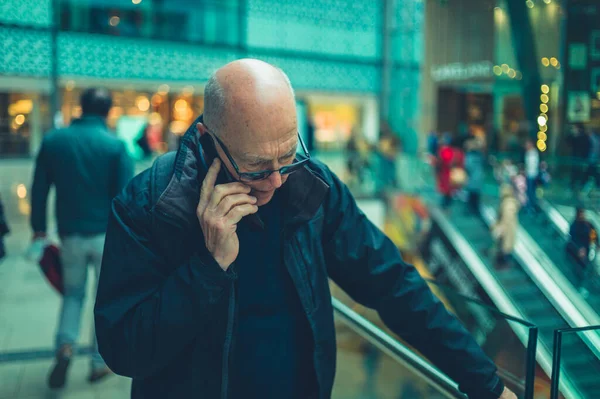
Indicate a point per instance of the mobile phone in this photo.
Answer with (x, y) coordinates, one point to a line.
(209, 150)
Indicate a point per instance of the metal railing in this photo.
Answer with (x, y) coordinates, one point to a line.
(557, 351)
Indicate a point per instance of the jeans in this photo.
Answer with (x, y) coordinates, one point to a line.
(531, 194)
(77, 253)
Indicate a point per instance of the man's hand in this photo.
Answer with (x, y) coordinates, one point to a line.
(507, 394)
(219, 211)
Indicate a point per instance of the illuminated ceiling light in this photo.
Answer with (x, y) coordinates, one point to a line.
(188, 90)
(554, 61)
(512, 73)
(70, 85)
(497, 9)
(497, 70)
(542, 136)
(544, 128)
(547, 1)
(541, 120)
(545, 89)
(163, 89)
(20, 119)
(114, 21)
(142, 103)
(21, 191)
(598, 95)
(530, 4)
(180, 105)
(544, 98)
(558, 65)
(136, 1)
(543, 108)
(545, 61)
(519, 75)
(505, 68)
(541, 145)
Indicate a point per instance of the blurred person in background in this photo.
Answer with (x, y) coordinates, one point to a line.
(592, 175)
(583, 240)
(204, 277)
(4, 230)
(532, 173)
(449, 160)
(504, 230)
(386, 156)
(580, 145)
(474, 166)
(88, 166)
(432, 144)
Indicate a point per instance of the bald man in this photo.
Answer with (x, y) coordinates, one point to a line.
(218, 288)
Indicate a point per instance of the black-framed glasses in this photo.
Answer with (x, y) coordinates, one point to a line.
(263, 174)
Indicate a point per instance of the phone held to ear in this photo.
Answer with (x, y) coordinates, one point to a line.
(207, 144)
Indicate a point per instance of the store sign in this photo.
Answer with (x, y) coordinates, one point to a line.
(460, 71)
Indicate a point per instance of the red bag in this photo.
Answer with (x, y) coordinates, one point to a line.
(52, 267)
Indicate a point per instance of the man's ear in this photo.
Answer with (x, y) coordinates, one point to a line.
(201, 129)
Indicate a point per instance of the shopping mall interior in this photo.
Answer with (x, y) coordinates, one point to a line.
(467, 132)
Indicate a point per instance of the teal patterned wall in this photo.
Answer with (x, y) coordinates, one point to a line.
(334, 27)
(329, 45)
(25, 12)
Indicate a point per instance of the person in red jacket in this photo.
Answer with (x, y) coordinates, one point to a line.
(448, 158)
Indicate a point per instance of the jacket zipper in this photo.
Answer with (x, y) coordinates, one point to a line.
(227, 345)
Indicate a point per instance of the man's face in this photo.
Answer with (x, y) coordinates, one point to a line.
(258, 152)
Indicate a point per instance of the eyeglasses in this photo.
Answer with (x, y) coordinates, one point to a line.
(263, 174)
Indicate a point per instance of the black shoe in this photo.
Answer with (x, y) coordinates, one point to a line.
(58, 376)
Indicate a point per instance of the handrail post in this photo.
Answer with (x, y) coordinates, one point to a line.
(531, 362)
(556, 364)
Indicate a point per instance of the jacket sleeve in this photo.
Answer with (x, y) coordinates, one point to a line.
(143, 317)
(368, 266)
(39, 191)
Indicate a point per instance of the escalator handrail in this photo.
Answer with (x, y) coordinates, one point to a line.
(555, 286)
(496, 292)
(396, 350)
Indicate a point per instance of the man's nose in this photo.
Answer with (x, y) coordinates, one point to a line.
(275, 180)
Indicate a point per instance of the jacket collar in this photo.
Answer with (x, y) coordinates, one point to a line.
(302, 193)
(90, 120)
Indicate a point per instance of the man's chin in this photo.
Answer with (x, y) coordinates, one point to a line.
(263, 197)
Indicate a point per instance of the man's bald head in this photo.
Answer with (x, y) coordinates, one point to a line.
(243, 90)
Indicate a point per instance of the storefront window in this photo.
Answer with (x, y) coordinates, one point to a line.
(161, 117)
(211, 22)
(334, 124)
(17, 123)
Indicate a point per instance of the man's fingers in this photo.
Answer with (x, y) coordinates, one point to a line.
(209, 183)
(233, 200)
(221, 191)
(237, 213)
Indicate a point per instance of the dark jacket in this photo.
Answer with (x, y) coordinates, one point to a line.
(88, 166)
(166, 312)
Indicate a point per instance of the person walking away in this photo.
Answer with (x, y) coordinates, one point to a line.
(4, 230)
(532, 172)
(88, 166)
(580, 149)
(505, 228)
(592, 177)
(448, 159)
(582, 237)
(474, 166)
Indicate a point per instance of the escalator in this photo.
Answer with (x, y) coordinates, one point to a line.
(518, 288)
(373, 364)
